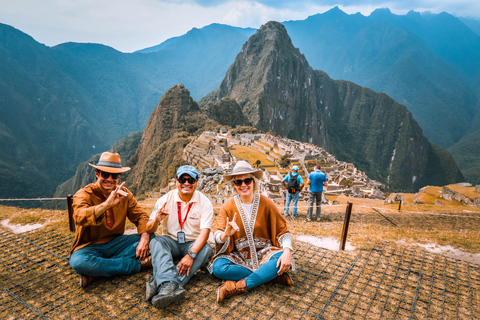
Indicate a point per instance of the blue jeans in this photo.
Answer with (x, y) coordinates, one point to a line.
(165, 249)
(317, 198)
(228, 270)
(114, 258)
(294, 198)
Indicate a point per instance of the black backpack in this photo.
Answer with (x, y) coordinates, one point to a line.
(292, 186)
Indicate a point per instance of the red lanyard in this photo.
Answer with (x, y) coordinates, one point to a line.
(179, 208)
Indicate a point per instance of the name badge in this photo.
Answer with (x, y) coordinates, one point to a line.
(181, 237)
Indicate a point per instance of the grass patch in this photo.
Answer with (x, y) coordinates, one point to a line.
(250, 155)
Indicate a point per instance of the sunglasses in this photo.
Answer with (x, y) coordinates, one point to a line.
(190, 180)
(238, 183)
(105, 175)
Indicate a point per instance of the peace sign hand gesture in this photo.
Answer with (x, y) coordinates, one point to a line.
(161, 213)
(230, 228)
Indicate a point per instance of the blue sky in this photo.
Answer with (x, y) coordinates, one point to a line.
(130, 25)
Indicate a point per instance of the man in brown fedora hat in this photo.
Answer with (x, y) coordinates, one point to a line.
(101, 249)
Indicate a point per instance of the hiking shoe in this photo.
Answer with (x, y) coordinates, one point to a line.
(309, 220)
(152, 289)
(295, 216)
(169, 293)
(318, 219)
(84, 280)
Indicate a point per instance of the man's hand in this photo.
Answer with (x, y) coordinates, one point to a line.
(142, 249)
(285, 261)
(230, 228)
(115, 196)
(162, 213)
(185, 265)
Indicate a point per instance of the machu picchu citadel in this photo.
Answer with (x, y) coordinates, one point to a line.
(216, 153)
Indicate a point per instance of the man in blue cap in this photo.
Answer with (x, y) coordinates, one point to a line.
(186, 217)
(294, 184)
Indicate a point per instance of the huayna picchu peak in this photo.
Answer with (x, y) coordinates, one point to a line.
(278, 91)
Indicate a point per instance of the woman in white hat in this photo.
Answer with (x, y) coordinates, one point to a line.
(253, 244)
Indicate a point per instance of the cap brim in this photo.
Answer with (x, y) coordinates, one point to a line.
(110, 169)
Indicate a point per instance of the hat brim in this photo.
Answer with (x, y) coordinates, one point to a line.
(257, 173)
(110, 169)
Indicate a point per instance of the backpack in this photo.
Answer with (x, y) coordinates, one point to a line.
(292, 186)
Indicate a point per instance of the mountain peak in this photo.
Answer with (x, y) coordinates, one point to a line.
(261, 65)
(278, 91)
(381, 12)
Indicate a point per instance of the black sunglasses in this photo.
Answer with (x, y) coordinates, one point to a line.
(238, 182)
(105, 175)
(190, 180)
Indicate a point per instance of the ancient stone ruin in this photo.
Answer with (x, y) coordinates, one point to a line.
(214, 154)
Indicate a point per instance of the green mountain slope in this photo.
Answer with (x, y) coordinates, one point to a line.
(45, 129)
(430, 63)
(278, 91)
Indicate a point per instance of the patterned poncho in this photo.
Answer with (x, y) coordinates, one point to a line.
(258, 238)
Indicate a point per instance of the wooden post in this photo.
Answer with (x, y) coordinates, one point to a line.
(399, 204)
(70, 212)
(346, 222)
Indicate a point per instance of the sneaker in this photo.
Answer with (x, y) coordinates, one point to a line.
(318, 219)
(295, 216)
(169, 293)
(152, 289)
(286, 215)
(309, 220)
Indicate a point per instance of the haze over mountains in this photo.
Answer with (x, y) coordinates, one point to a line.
(81, 98)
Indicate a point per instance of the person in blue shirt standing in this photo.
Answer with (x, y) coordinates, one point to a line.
(316, 179)
(293, 190)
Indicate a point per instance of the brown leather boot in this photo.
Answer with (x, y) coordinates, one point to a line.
(84, 280)
(230, 289)
(284, 278)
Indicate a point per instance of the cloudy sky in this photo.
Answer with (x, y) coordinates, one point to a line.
(129, 25)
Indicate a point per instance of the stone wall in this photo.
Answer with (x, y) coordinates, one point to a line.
(449, 194)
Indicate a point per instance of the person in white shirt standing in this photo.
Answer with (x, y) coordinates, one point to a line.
(186, 216)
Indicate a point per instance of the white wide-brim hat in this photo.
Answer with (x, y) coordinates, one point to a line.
(243, 167)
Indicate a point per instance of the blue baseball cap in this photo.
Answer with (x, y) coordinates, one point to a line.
(295, 168)
(191, 171)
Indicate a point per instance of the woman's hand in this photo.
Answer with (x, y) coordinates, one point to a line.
(230, 228)
(285, 261)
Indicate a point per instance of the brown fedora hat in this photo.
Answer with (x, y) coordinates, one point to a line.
(243, 167)
(110, 162)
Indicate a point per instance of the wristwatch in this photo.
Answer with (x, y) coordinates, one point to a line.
(192, 254)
